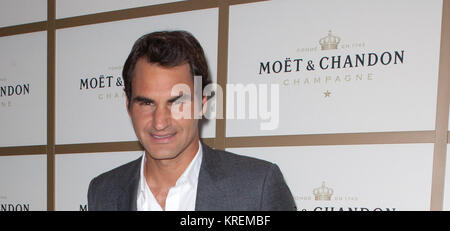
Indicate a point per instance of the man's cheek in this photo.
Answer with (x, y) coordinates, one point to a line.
(181, 111)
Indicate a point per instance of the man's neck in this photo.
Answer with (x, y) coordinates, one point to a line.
(161, 175)
(165, 173)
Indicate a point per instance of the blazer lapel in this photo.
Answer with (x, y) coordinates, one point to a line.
(127, 193)
(211, 193)
(127, 200)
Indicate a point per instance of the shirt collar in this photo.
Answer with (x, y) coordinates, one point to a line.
(193, 170)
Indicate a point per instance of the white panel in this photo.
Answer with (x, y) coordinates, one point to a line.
(23, 183)
(23, 89)
(74, 172)
(70, 8)
(99, 52)
(394, 177)
(397, 93)
(15, 12)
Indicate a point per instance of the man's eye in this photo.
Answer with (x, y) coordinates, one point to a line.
(145, 103)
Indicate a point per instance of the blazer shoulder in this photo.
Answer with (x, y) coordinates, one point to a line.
(254, 184)
(121, 173)
(232, 164)
(106, 187)
(233, 158)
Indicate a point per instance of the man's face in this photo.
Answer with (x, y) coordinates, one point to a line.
(161, 130)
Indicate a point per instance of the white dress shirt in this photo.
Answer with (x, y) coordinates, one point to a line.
(180, 197)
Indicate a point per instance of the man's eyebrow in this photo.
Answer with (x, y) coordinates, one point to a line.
(142, 99)
(148, 100)
(182, 96)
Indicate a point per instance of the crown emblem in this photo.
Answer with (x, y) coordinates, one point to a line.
(323, 193)
(329, 42)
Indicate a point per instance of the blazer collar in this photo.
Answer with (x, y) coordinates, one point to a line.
(127, 191)
(211, 190)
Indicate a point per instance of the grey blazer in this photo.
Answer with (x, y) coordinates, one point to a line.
(226, 182)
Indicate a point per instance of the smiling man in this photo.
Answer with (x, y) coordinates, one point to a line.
(177, 171)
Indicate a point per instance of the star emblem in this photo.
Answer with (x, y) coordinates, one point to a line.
(327, 93)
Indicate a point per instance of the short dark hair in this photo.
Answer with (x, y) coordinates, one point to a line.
(168, 49)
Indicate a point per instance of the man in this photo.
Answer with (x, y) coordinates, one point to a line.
(177, 171)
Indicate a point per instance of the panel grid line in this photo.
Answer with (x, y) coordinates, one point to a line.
(442, 114)
(51, 69)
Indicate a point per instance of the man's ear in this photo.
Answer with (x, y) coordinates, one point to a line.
(128, 107)
(204, 105)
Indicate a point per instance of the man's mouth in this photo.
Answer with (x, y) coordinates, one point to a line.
(162, 138)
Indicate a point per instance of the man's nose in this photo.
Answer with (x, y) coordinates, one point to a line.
(161, 118)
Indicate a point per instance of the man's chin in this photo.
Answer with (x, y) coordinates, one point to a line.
(166, 154)
(163, 157)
